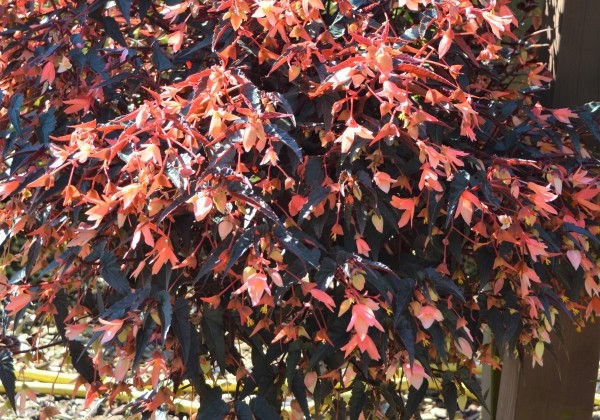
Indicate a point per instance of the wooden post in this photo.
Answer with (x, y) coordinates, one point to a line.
(509, 389)
(574, 51)
(487, 388)
(563, 389)
(569, 390)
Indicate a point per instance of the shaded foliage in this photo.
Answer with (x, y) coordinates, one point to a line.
(355, 190)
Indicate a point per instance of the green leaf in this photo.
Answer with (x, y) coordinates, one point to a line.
(112, 29)
(323, 390)
(296, 247)
(415, 396)
(33, 255)
(244, 192)
(111, 273)
(593, 107)
(382, 283)
(241, 245)
(326, 273)
(215, 410)
(262, 410)
(23, 157)
(125, 8)
(488, 192)
(7, 376)
(248, 385)
(252, 94)
(141, 340)
(299, 391)
(129, 302)
(242, 411)
(213, 259)
(165, 312)
(357, 3)
(460, 182)
(82, 362)
(321, 352)
(182, 326)
(394, 399)
(214, 334)
(404, 294)
(548, 237)
(187, 53)
(439, 341)
(314, 167)
(569, 227)
(338, 26)
(513, 330)
(143, 8)
(472, 385)
(444, 285)
(291, 362)
(17, 276)
(285, 138)
(317, 196)
(14, 113)
(408, 336)
(283, 102)
(450, 395)
(427, 19)
(485, 265)
(192, 369)
(433, 210)
(338, 409)
(159, 59)
(455, 246)
(61, 306)
(114, 80)
(212, 405)
(357, 399)
(325, 107)
(495, 322)
(47, 125)
(591, 124)
(410, 35)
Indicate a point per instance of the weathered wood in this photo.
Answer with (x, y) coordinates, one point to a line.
(575, 51)
(509, 389)
(563, 389)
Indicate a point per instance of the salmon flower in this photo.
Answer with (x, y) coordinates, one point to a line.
(415, 374)
(365, 344)
(363, 318)
(427, 314)
(362, 247)
(256, 285)
(110, 328)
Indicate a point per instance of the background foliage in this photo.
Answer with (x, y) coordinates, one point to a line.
(348, 188)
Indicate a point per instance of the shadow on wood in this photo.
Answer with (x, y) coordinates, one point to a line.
(574, 51)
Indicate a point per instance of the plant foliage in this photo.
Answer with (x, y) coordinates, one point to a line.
(319, 198)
